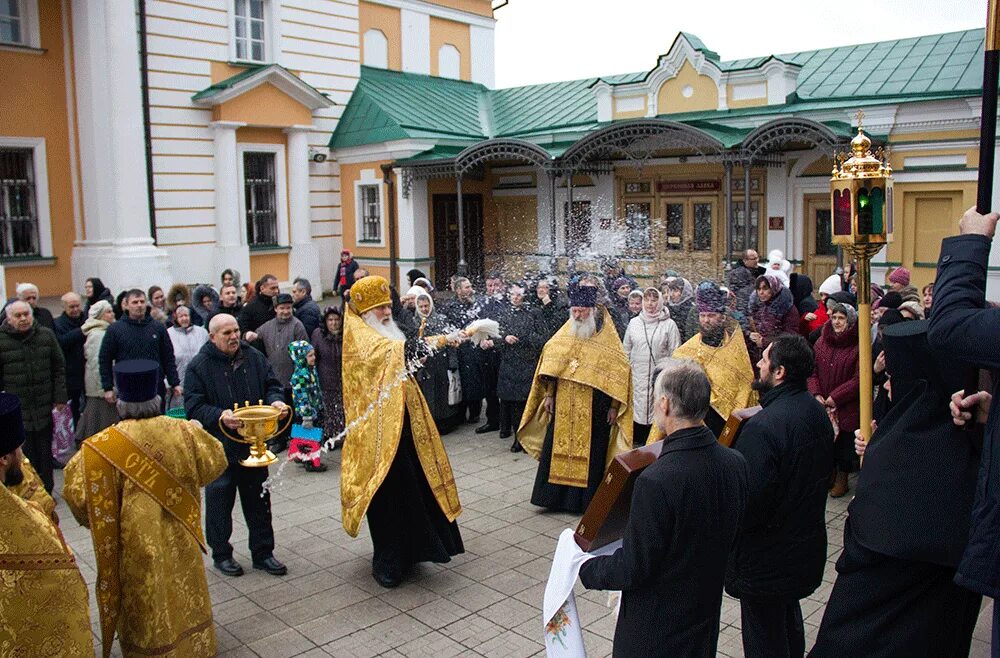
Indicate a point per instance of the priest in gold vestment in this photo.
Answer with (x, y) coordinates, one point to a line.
(44, 610)
(720, 348)
(579, 412)
(137, 486)
(394, 468)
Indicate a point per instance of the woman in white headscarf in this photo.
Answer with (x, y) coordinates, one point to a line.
(649, 341)
(98, 414)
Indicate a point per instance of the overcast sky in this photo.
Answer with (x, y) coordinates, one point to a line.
(551, 40)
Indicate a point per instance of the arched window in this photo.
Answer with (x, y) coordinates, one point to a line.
(376, 49)
(449, 62)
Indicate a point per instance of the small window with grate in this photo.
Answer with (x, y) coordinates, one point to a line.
(371, 213)
(260, 195)
(250, 26)
(18, 207)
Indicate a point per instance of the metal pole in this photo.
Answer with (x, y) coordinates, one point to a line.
(570, 260)
(728, 195)
(462, 266)
(865, 338)
(552, 222)
(746, 205)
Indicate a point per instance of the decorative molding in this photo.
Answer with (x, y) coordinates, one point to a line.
(290, 84)
(394, 150)
(437, 11)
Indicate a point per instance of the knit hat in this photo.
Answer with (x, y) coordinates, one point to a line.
(137, 380)
(900, 275)
(99, 309)
(709, 299)
(583, 296)
(11, 423)
(619, 282)
(370, 292)
(831, 285)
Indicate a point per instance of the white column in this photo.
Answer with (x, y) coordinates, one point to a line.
(231, 250)
(118, 246)
(414, 227)
(304, 258)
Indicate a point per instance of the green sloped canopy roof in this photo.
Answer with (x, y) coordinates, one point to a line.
(222, 85)
(391, 105)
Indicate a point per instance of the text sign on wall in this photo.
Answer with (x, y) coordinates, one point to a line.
(688, 186)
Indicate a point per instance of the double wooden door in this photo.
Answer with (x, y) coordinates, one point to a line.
(446, 255)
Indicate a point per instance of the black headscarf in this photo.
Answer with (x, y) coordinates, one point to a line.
(327, 312)
(99, 291)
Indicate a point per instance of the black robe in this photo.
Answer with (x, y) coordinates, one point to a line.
(406, 523)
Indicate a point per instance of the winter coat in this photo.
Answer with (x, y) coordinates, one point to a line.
(550, 318)
(329, 359)
(680, 312)
(94, 330)
(648, 344)
(781, 549)
(518, 361)
(966, 330)
(740, 281)
(137, 339)
(802, 293)
(686, 511)
(307, 312)
(773, 317)
(806, 327)
(256, 312)
(433, 376)
(307, 396)
(215, 382)
(32, 367)
(275, 337)
(836, 374)
(187, 343)
(197, 309)
(345, 276)
(470, 357)
(71, 339)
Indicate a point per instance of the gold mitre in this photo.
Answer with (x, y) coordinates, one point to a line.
(370, 292)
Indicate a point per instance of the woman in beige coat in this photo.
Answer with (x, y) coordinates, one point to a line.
(98, 414)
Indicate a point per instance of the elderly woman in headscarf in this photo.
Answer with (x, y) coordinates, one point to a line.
(178, 295)
(835, 385)
(771, 312)
(98, 414)
(327, 340)
(440, 369)
(550, 311)
(680, 301)
(187, 340)
(650, 339)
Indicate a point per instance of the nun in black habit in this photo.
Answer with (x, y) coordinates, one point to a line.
(908, 524)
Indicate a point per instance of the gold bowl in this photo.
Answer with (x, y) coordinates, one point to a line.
(258, 423)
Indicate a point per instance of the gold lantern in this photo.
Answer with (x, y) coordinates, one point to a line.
(861, 199)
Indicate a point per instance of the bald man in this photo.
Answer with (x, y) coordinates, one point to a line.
(69, 332)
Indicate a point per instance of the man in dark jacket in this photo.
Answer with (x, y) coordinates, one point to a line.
(781, 550)
(518, 347)
(137, 336)
(461, 311)
(71, 340)
(686, 511)
(495, 307)
(229, 302)
(223, 373)
(964, 330)
(260, 309)
(28, 292)
(306, 310)
(32, 367)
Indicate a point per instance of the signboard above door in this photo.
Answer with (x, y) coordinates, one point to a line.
(688, 186)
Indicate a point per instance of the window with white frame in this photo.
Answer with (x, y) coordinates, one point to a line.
(369, 214)
(250, 30)
(449, 62)
(260, 197)
(18, 204)
(12, 22)
(376, 49)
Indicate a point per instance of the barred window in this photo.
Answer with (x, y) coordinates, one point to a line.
(18, 207)
(11, 22)
(261, 195)
(250, 24)
(371, 213)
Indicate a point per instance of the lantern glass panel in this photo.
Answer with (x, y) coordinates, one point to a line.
(877, 201)
(888, 210)
(842, 212)
(864, 212)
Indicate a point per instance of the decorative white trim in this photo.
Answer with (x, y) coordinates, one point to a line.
(630, 103)
(272, 36)
(416, 41)
(288, 83)
(437, 11)
(41, 173)
(958, 160)
(74, 174)
(375, 48)
(280, 188)
(749, 91)
(449, 62)
(368, 178)
(934, 146)
(935, 176)
(394, 150)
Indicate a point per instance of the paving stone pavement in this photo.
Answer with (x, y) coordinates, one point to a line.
(486, 602)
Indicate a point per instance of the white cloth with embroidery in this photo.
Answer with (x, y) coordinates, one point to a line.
(560, 621)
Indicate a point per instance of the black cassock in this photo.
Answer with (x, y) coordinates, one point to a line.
(909, 521)
(406, 522)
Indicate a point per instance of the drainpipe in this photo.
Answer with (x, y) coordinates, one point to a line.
(387, 178)
(146, 129)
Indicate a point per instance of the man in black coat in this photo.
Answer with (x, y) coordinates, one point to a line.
(229, 302)
(518, 348)
(137, 336)
(305, 309)
(71, 340)
(781, 551)
(964, 330)
(223, 373)
(461, 311)
(495, 307)
(686, 512)
(260, 309)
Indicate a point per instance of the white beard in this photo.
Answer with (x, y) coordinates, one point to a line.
(387, 329)
(583, 328)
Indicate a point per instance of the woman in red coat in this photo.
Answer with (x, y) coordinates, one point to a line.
(835, 384)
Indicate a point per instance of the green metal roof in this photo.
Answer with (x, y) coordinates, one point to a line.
(222, 85)
(390, 105)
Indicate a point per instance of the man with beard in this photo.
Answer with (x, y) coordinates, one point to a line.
(394, 467)
(721, 350)
(780, 551)
(579, 412)
(43, 599)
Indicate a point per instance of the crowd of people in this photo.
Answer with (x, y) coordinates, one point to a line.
(572, 372)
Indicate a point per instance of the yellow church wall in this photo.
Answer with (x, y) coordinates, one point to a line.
(386, 19)
(479, 7)
(265, 105)
(349, 175)
(261, 264)
(670, 98)
(933, 136)
(444, 32)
